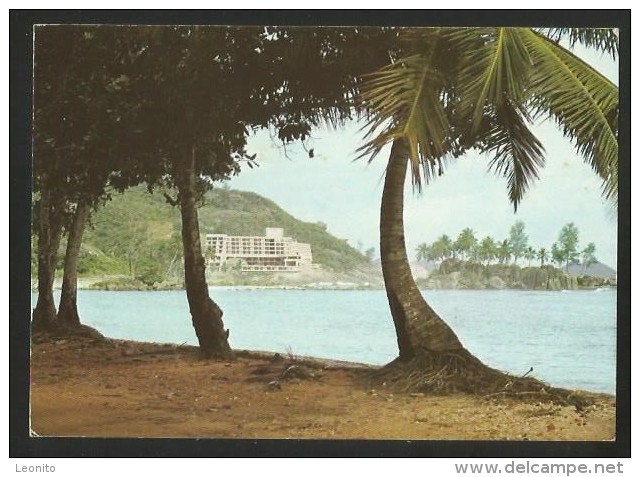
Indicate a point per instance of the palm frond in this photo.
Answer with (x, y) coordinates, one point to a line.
(408, 98)
(495, 65)
(517, 154)
(602, 39)
(493, 84)
(582, 101)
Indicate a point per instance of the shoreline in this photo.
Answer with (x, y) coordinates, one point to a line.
(311, 360)
(86, 283)
(123, 388)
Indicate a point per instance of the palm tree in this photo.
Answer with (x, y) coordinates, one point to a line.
(529, 254)
(464, 88)
(465, 242)
(487, 250)
(542, 256)
(504, 251)
(442, 248)
(422, 252)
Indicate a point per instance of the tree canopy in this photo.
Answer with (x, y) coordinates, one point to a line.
(483, 88)
(518, 240)
(565, 250)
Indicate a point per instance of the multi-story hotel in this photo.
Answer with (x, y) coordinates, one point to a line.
(271, 253)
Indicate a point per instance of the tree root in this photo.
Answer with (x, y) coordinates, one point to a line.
(460, 372)
(59, 330)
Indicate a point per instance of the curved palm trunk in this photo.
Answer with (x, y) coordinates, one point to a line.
(432, 359)
(205, 313)
(418, 327)
(68, 310)
(49, 235)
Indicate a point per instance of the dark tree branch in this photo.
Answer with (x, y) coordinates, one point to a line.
(170, 200)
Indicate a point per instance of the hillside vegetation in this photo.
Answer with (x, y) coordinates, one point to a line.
(137, 234)
(245, 213)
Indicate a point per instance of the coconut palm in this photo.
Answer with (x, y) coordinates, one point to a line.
(477, 88)
(422, 252)
(488, 249)
(530, 254)
(465, 242)
(442, 248)
(504, 252)
(543, 255)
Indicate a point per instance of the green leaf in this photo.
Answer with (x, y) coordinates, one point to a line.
(602, 39)
(582, 101)
(408, 100)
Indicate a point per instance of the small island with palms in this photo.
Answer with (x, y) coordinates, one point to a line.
(493, 264)
(163, 114)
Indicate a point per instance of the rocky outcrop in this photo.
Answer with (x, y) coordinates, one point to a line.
(457, 274)
(132, 284)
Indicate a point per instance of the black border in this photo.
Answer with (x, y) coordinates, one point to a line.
(22, 445)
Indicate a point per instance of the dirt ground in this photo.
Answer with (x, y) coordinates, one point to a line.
(113, 388)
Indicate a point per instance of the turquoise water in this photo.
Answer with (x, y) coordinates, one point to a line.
(568, 337)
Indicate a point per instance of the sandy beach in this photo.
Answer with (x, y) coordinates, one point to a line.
(114, 388)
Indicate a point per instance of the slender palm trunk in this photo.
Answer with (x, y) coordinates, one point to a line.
(205, 313)
(49, 235)
(418, 327)
(431, 359)
(68, 310)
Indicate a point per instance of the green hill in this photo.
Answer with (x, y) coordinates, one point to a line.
(245, 213)
(138, 234)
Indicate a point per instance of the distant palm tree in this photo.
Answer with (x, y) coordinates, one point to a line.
(530, 254)
(487, 250)
(422, 252)
(441, 248)
(542, 256)
(504, 252)
(465, 242)
(466, 88)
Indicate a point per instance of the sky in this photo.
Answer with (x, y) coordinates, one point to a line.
(344, 192)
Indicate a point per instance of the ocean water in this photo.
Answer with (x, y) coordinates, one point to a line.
(569, 338)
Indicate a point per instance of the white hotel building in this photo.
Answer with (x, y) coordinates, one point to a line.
(270, 253)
